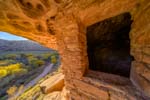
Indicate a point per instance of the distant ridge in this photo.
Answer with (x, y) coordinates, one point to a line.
(21, 45)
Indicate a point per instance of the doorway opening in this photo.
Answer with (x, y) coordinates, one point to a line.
(108, 45)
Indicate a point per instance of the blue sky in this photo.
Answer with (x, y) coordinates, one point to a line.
(8, 36)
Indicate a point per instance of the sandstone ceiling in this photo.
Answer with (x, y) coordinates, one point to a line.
(44, 20)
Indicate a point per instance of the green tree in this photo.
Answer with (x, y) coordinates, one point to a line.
(34, 62)
(53, 59)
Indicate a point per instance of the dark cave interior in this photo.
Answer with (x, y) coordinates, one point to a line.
(108, 45)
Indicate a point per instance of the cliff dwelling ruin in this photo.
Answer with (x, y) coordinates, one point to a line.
(109, 45)
(104, 44)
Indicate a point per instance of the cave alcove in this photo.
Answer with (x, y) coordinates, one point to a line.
(108, 45)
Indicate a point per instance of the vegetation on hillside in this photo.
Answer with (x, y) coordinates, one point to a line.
(12, 69)
(18, 69)
(36, 93)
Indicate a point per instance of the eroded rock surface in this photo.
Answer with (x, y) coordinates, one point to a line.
(62, 25)
(55, 83)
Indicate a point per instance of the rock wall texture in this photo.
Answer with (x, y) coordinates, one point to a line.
(140, 46)
(62, 25)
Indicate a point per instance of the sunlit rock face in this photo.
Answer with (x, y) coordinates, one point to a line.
(29, 18)
(62, 25)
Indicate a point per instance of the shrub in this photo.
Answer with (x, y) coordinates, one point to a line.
(12, 90)
(19, 71)
(37, 63)
(12, 69)
(53, 59)
(3, 73)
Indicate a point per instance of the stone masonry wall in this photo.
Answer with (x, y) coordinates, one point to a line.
(61, 25)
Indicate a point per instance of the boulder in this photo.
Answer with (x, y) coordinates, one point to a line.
(54, 83)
